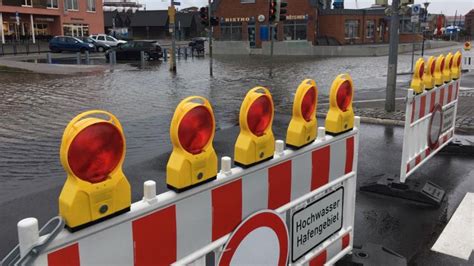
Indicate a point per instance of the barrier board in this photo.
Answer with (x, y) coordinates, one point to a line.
(429, 125)
(468, 60)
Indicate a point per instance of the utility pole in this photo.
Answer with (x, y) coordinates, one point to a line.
(426, 4)
(172, 14)
(392, 59)
(210, 37)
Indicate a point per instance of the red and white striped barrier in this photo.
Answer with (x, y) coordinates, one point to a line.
(424, 134)
(185, 228)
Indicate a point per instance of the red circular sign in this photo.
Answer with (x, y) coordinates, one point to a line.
(262, 239)
(435, 126)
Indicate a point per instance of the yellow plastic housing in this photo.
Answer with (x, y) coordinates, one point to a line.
(467, 46)
(428, 78)
(337, 120)
(438, 74)
(456, 68)
(82, 203)
(447, 69)
(417, 81)
(250, 148)
(184, 169)
(301, 132)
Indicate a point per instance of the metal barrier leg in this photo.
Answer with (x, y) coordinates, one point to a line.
(48, 58)
(165, 54)
(87, 58)
(78, 58)
(142, 57)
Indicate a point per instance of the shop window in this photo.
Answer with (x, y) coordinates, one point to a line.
(351, 29)
(91, 5)
(41, 29)
(231, 31)
(295, 30)
(370, 29)
(52, 3)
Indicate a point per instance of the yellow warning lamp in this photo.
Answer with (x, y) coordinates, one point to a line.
(417, 80)
(456, 67)
(340, 117)
(193, 160)
(467, 46)
(428, 76)
(92, 153)
(255, 142)
(303, 124)
(438, 74)
(447, 68)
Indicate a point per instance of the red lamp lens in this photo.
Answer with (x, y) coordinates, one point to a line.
(422, 70)
(442, 65)
(344, 95)
(308, 104)
(259, 115)
(433, 67)
(95, 152)
(195, 129)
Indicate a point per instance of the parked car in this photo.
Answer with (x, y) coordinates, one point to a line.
(107, 39)
(197, 44)
(132, 49)
(68, 43)
(100, 47)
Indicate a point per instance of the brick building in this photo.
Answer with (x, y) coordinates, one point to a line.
(310, 21)
(469, 23)
(37, 19)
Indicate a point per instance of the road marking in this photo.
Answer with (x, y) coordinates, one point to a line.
(457, 238)
(465, 89)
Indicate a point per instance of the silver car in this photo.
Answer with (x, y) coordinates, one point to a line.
(107, 39)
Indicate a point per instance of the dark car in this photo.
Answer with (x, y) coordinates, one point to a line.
(197, 44)
(100, 47)
(68, 43)
(132, 49)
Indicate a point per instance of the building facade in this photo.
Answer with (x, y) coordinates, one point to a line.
(41, 19)
(469, 23)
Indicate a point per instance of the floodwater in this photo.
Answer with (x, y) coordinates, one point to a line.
(36, 108)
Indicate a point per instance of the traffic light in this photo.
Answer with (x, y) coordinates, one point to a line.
(203, 12)
(447, 68)
(340, 117)
(281, 12)
(92, 153)
(193, 160)
(214, 21)
(303, 124)
(438, 74)
(417, 80)
(456, 68)
(272, 13)
(255, 142)
(428, 77)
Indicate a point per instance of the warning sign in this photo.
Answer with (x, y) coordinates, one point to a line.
(316, 222)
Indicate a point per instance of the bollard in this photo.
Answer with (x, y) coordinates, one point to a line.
(28, 234)
(149, 191)
(48, 58)
(87, 58)
(142, 57)
(279, 148)
(165, 54)
(321, 134)
(179, 52)
(39, 47)
(78, 58)
(226, 165)
(185, 52)
(192, 52)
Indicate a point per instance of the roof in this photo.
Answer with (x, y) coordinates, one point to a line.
(185, 19)
(215, 3)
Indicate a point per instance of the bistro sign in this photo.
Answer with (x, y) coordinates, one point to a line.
(238, 19)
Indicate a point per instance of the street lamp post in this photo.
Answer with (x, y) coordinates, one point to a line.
(426, 4)
(392, 59)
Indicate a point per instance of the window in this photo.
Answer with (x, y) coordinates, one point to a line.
(52, 3)
(351, 29)
(28, 3)
(71, 5)
(231, 31)
(110, 39)
(41, 29)
(101, 38)
(370, 29)
(91, 5)
(295, 30)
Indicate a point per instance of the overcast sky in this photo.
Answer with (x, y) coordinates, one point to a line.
(447, 7)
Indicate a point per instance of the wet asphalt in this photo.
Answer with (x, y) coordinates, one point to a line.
(408, 228)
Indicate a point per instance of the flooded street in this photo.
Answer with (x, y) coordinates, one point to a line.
(36, 108)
